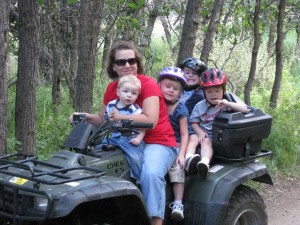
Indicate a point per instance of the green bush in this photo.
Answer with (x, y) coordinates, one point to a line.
(285, 136)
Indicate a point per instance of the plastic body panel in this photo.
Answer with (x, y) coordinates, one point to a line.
(206, 200)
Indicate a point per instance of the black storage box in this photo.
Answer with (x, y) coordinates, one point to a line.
(239, 135)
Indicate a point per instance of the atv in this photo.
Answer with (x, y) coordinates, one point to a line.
(89, 183)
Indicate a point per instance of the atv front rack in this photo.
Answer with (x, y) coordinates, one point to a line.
(17, 194)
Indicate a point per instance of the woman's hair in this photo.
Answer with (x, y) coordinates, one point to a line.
(130, 79)
(123, 45)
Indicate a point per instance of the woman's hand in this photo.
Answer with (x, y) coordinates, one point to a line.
(74, 113)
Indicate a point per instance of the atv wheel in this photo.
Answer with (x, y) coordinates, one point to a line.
(246, 207)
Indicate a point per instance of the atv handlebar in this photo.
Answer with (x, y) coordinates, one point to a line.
(84, 135)
(130, 124)
(77, 118)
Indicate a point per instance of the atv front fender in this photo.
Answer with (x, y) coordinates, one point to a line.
(107, 188)
(206, 200)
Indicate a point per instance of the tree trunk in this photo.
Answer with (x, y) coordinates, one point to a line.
(106, 49)
(298, 37)
(89, 29)
(189, 29)
(57, 74)
(25, 112)
(255, 49)
(55, 24)
(4, 29)
(212, 27)
(167, 33)
(73, 58)
(271, 38)
(146, 40)
(279, 55)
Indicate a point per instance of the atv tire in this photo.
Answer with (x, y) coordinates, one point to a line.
(246, 207)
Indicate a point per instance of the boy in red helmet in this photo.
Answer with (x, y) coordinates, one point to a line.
(213, 83)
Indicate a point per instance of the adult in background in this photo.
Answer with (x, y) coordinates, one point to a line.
(160, 150)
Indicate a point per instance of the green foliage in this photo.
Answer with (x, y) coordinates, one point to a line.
(52, 128)
(157, 57)
(52, 123)
(72, 1)
(285, 135)
(41, 2)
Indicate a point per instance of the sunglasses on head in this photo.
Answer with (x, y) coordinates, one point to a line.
(122, 62)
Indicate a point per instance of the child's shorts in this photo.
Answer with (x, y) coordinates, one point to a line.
(176, 174)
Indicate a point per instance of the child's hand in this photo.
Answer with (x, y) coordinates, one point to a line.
(202, 136)
(181, 161)
(135, 141)
(114, 115)
(222, 104)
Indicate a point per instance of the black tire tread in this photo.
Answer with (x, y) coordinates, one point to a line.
(244, 196)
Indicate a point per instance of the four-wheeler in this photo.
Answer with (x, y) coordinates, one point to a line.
(88, 183)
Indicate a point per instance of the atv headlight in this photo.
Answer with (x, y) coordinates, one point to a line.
(41, 203)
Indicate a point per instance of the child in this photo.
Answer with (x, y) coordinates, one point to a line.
(128, 90)
(213, 83)
(172, 82)
(192, 93)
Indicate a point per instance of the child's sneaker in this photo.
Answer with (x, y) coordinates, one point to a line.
(202, 170)
(191, 164)
(177, 211)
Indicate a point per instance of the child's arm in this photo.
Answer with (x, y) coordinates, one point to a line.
(237, 107)
(184, 139)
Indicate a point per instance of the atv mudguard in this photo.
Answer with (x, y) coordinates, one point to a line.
(106, 188)
(206, 200)
(111, 185)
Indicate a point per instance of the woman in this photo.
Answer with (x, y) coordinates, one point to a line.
(160, 144)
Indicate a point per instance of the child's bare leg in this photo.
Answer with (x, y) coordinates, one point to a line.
(191, 159)
(156, 221)
(176, 175)
(192, 145)
(178, 189)
(206, 155)
(206, 150)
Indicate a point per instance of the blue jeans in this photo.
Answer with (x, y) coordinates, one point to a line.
(133, 153)
(158, 159)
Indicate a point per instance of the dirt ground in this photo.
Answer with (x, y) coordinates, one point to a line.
(283, 201)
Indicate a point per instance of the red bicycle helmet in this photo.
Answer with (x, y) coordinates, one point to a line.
(212, 77)
(174, 73)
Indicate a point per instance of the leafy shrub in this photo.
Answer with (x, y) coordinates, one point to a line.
(285, 136)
